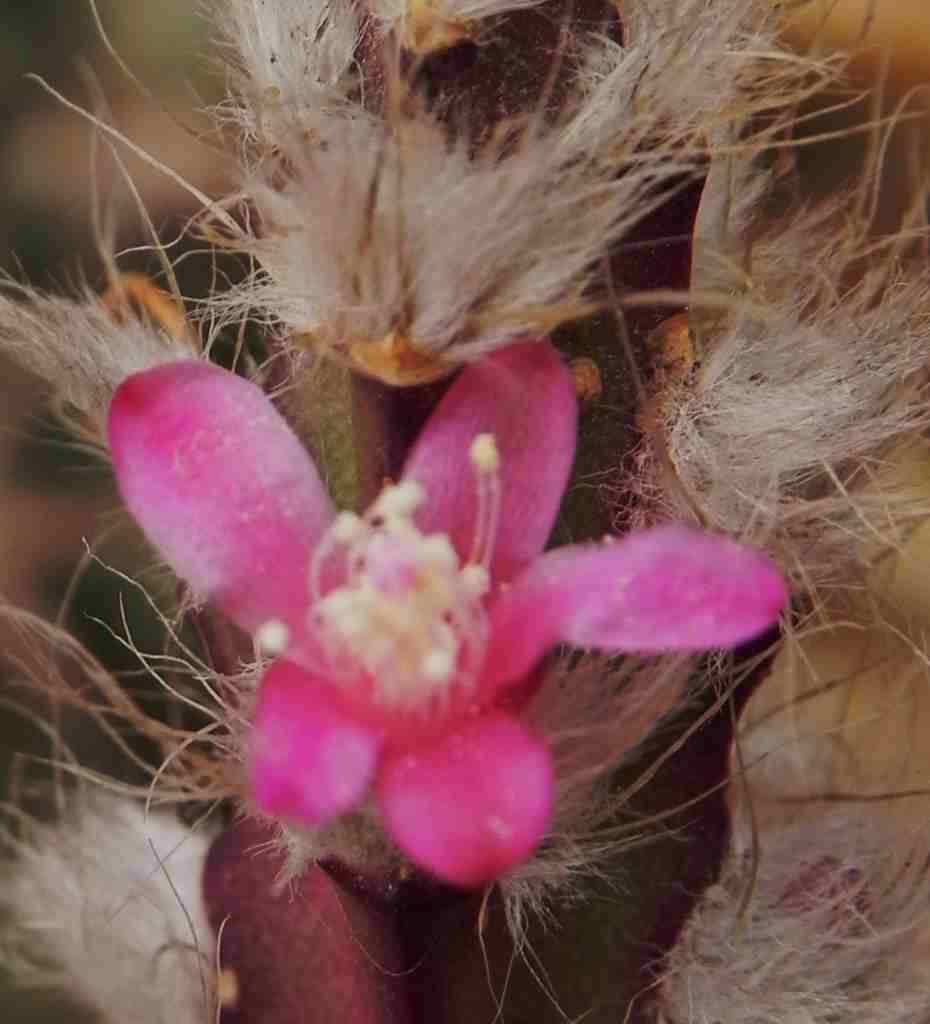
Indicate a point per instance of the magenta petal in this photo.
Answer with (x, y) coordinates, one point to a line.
(665, 589)
(472, 806)
(310, 760)
(525, 397)
(222, 486)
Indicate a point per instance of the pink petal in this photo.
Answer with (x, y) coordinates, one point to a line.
(525, 397)
(310, 760)
(665, 589)
(472, 806)
(222, 487)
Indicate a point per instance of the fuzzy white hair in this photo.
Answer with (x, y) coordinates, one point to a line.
(844, 714)
(829, 922)
(107, 906)
(822, 912)
(384, 228)
(285, 56)
(813, 366)
(79, 348)
(367, 228)
(594, 713)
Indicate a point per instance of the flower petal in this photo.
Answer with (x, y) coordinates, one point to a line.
(310, 759)
(473, 805)
(525, 397)
(666, 589)
(222, 486)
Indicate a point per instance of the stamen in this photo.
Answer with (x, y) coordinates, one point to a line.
(438, 665)
(400, 500)
(347, 528)
(407, 613)
(438, 552)
(477, 579)
(493, 503)
(485, 457)
(346, 610)
(484, 454)
(273, 637)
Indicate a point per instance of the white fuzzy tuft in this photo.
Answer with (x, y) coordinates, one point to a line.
(369, 230)
(107, 907)
(79, 348)
(835, 927)
(812, 368)
(287, 57)
(844, 714)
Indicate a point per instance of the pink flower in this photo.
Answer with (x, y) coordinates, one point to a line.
(412, 636)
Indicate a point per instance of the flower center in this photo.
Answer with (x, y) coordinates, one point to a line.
(408, 613)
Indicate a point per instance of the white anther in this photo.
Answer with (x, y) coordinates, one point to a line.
(437, 666)
(477, 579)
(401, 500)
(437, 551)
(347, 528)
(484, 454)
(338, 608)
(396, 615)
(273, 637)
(486, 460)
(353, 623)
(408, 613)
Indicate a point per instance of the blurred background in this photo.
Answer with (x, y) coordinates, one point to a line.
(64, 199)
(48, 177)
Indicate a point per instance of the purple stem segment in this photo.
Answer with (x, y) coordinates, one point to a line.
(314, 952)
